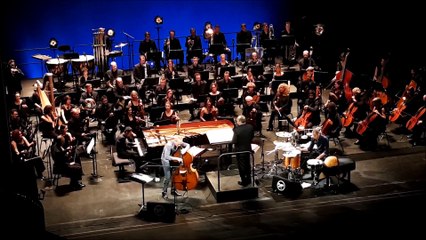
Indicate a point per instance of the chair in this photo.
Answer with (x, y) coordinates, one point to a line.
(121, 172)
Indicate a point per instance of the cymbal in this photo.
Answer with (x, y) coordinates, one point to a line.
(121, 45)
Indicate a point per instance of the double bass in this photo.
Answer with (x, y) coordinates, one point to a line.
(345, 76)
(185, 177)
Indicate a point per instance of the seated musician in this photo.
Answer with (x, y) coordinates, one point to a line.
(198, 88)
(65, 159)
(66, 109)
(226, 82)
(112, 74)
(373, 124)
(312, 105)
(136, 104)
(215, 95)
(418, 126)
(304, 85)
(140, 71)
(16, 121)
(359, 113)
(194, 68)
(130, 120)
(120, 90)
(281, 106)
(171, 72)
(306, 61)
(169, 113)
(162, 86)
(23, 149)
(332, 124)
(249, 77)
(125, 145)
(337, 95)
(209, 112)
(254, 60)
(222, 63)
(250, 91)
(277, 71)
(88, 101)
(82, 80)
(48, 122)
(106, 118)
(170, 97)
(20, 105)
(318, 147)
(253, 114)
(167, 157)
(78, 126)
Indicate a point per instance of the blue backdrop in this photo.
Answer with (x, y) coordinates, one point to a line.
(31, 25)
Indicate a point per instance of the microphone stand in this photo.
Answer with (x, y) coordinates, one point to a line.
(130, 48)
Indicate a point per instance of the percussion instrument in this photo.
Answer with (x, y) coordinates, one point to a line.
(87, 61)
(286, 135)
(292, 160)
(285, 146)
(56, 65)
(315, 165)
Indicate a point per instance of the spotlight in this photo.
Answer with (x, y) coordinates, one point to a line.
(53, 43)
(158, 20)
(110, 32)
(256, 26)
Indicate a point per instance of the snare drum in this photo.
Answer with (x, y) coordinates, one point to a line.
(315, 164)
(87, 61)
(56, 65)
(292, 160)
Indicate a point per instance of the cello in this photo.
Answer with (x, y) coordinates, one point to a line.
(345, 76)
(348, 115)
(414, 119)
(185, 177)
(363, 125)
(303, 120)
(326, 126)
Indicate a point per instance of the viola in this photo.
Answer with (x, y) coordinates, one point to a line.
(256, 98)
(185, 177)
(414, 119)
(348, 115)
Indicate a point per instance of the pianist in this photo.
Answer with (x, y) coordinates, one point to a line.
(126, 146)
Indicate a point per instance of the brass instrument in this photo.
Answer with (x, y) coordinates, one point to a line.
(190, 43)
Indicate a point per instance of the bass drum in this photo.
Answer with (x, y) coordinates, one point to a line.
(84, 61)
(56, 65)
(292, 160)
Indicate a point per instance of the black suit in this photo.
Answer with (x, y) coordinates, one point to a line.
(243, 136)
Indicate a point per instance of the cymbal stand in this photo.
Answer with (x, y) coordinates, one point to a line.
(130, 39)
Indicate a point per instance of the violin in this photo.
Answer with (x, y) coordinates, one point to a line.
(185, 177)
(414, 119)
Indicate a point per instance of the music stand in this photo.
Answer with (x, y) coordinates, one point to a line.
(241, 47)
(155, 113)
(270, 43)
(150, 82)
(176, 83)
(216, 49)
(127, 79)
(230, 93)
(96, 83)
(231, 70)
(142, 179)
(202, 98)
(176, 54)
(275, 83)
(91, 151)
(196, 52)
(204, 74)
(256, 69)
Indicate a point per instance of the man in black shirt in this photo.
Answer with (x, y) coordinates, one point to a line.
(148, 48)
(193, 46)
(243, 41)
(243, 135)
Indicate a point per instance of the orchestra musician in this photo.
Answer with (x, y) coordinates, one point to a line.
(254, 60)
(305, 84)
(372, 125)
(312, 105)
(66, 109)
(416, 124)
(198, 88)
(222, 63)
(161, 88)
(172, 43)
(215, 95)
(88, 101)
(148, 48)
(137, 107)
(167, 156)
(193, 46)
(218, 38)
(48, 122)
(253, 114)
(169, 113)
(13, 78)
(125, 144)
(112, 74)
(359, 111)
(78, 127)
(332, 124)
(281, 106)
(319, 146)
(141, 71)
(120, 90)
(381, 73)
(171, 72)
(66, 160)
(16, 122)
(194, 67)
(249, 78)
(83, 78)
(208, 112)
(244, 37)
(251, 91)
(306, 61)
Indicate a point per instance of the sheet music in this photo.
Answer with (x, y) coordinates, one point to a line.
(254, 147)
(219, 136)
(141, 177)
(194, 150)
(90, 146)
(138, 147)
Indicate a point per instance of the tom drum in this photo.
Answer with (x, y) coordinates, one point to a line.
(56, 65)
(292, 160)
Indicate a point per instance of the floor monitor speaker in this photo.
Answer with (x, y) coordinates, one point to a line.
(159, 212)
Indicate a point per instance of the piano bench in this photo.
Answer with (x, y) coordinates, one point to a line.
(121, 172)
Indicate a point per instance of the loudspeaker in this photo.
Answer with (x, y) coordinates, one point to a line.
(285, 186)
(159, 212)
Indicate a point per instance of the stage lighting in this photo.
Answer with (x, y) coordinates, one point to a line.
(53, 43)
(158, 20)
(257, 26)
(110, 32)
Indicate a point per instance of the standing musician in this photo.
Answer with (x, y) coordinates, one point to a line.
(218, 38)
(13, 77)
(172, 43)
(381, 73)
(243, 136)
(148, 48)
(369, 129)
(243, 37)
(252, 113)
(193, 46)
(167, 157)
(281, 106)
